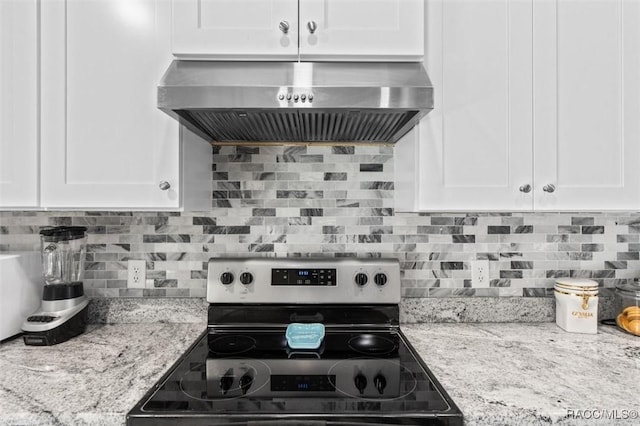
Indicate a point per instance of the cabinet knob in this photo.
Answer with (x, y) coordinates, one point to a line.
(284, 27)
(549, 188)
(526, 188)
(312, 26)
(164, 185)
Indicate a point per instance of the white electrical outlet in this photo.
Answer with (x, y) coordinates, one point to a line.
(137, 273)
(480, 274)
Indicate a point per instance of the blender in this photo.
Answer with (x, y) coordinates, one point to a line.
(63, 310)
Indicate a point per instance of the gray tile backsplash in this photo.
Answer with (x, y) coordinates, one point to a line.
(337, 201)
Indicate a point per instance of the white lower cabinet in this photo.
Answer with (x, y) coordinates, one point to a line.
(537, 106)
(19, 171)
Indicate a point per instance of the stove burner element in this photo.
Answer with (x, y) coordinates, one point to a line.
(371, 344)
(232, 345)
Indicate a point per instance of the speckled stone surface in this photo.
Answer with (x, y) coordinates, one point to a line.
(498, 374)
(93, 379)
(412, 310)
(116, 310)
(488, 309)
(532, 374)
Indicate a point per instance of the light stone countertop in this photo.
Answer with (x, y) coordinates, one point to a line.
(533, 374)
(498, 374)
(92, 379)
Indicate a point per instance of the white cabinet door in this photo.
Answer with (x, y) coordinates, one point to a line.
(474, 149)
(362, 30)
(18, 103)
(587, 104)
(235, 29)
(104, 142)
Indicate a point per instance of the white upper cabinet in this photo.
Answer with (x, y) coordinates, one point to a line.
(19, 104)
(236, 29)
(366, 30)
(104, 143)
(473, 151)
(353, 30)
(587, 104)
(537, 106)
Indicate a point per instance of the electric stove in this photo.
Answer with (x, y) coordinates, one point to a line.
(243, 371)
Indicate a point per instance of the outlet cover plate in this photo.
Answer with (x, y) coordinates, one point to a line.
(480, 274)
(137, 273)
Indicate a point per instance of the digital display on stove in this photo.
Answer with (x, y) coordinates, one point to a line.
(303, 277)
(306, 383)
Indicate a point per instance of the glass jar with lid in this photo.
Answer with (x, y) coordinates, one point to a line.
(628, 302)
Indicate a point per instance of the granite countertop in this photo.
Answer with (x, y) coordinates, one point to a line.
(93, 379)
(532, 374)
(496, 373)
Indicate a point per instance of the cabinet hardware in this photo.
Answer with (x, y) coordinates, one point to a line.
(312, 26)
(526, 188)
(164, 185)
(549, 188)
(284, 27)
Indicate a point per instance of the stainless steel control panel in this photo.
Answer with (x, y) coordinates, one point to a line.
(303, 281)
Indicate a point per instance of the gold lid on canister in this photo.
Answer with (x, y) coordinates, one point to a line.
(581, 287)
(576, 285)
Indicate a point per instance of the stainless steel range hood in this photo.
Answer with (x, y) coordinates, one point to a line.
(258, 102)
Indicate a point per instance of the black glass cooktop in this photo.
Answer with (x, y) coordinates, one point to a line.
(252, 377)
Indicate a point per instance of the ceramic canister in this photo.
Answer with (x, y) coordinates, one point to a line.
(577, 305)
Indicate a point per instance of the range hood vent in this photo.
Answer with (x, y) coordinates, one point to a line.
(266, 102)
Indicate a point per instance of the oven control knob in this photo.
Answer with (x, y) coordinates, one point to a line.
(245, 383)
(361, 279)
(361, 382)
(380, 383)
(226, 381)
(226, 278)
(380, 279)
(246, 278)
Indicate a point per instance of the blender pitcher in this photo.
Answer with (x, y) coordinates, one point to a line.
(63, 311)
(63, 251)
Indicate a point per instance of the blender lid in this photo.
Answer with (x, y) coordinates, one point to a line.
(64, 233)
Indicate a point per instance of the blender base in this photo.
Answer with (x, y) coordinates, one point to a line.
(71, 327)
(61, 316)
